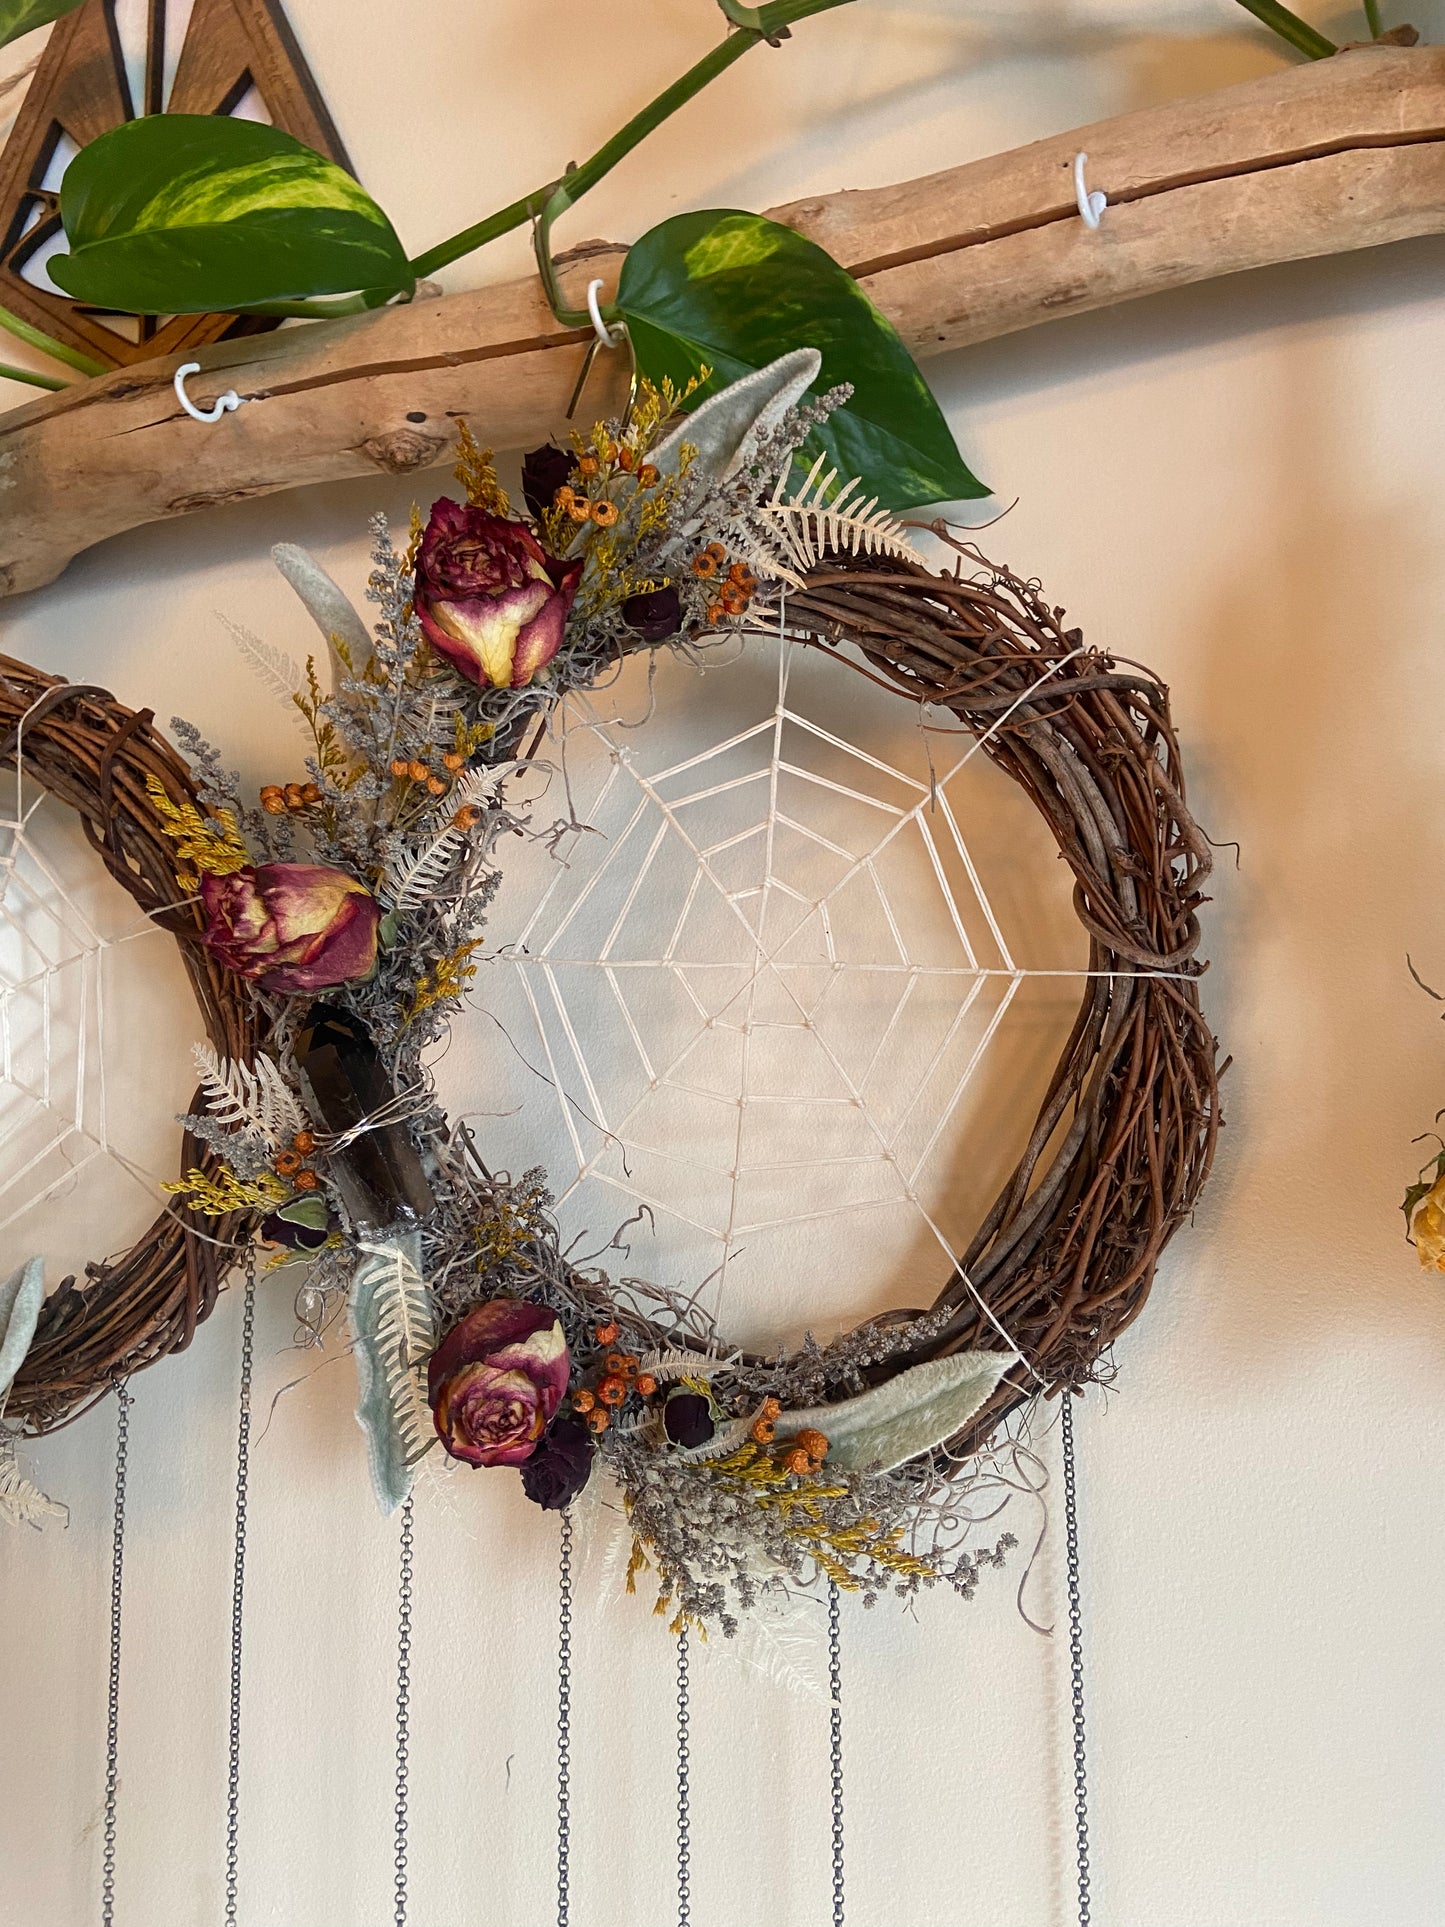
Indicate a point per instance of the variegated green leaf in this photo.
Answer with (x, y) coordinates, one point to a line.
(19, 16)
(199, 213)
(905, 1416)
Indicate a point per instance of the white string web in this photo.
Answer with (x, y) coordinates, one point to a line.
(87, 1008)
(768, 993)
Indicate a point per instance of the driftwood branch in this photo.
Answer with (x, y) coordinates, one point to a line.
(1344, 153)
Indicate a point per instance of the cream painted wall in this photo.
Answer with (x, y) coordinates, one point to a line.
(1239, 484)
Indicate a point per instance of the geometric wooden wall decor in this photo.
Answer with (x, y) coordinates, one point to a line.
(234, 53)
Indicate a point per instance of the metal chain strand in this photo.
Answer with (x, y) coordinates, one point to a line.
(835, 1749)
(684, 1811)
(112, 1723)
(238, 1583)
(564, 1725)
(1076, 1655)
(403, 1706)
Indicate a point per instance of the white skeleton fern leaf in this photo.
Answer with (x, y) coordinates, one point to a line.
(393, 1325)
(796, 532)
(275, 668)
(22, 1503)
(249, 1097)
(413, 877)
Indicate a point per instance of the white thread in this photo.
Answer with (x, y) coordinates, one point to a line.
(224, 403)
(1091, 205)
(605, 335)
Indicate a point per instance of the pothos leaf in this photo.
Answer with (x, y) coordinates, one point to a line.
(906, 1415)
(19, 16)
(733, 291)
(199, 213)
(393, 1329)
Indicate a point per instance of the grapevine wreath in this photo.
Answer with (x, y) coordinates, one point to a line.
(331, 929)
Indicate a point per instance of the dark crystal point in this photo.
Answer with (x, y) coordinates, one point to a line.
(687, 1419)
(378, 1174)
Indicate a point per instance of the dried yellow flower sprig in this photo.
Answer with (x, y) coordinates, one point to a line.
(205, 846)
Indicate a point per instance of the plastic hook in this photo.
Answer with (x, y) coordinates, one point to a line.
(224, 403)
(1091, 204)
(605, 335)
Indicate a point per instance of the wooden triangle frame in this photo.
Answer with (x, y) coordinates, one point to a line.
(80, 90)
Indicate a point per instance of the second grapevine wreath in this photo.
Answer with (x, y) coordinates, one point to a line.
(348, 907)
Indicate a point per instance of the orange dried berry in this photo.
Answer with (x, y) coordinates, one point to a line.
(797, 1462)
(630, 1362)
(304, 1142)
(580, 509)
(718, 553)
(771, 1408)
(648, 476)
(813, 1443)
(295, 796)
(646, 1384)
(564, 497)
(715, 612)
(604, 514)
(612, 1390)
(287, 1164)
(310, 793)
(587, 464)
(583, 1401)
(273, 800)
(436, 786)
(615, 1365)
(453, 760)
(764, 1431)
(400, 766)
(625, 458)
(306, 1181)
(418, 772)
(704, 565)
(467, 817)
(607, 1334)
(599, 1420)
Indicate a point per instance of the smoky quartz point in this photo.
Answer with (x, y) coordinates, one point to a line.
(378, 1174)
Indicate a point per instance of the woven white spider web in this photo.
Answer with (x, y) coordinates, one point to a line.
(92, 1068)
(775, 993)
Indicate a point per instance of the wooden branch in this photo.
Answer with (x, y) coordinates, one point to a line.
(1344, 153)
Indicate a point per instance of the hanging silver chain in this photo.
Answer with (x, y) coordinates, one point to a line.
(238, 1583)
(112, 1722)
(564, 1725)
(684, 1764)
(403, 1706)
(1076, 1655)
(835, 1746)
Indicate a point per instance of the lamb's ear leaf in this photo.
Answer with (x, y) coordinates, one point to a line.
(732, 292)
(723, 428)
(200, 213)
(904, 1416)
(21, 1296)
(19, 16)
(328, 606)
(393, 1331)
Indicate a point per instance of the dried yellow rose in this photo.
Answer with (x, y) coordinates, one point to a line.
(1428, 1227)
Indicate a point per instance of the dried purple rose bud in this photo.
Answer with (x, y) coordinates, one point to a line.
(495, 1382)
(561, 1464)
(687, 1418)
(488, 596)
(654, 615)
(544, 471)
(292, 927)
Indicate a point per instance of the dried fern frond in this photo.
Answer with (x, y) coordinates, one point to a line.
(280, 672)
(797, 532)
(250, 1097)
(415, 877)
(22, 1503)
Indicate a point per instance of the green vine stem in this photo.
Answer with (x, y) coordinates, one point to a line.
(57, 350)
(1372, 15)
(554, 197)
(9, 372)
(1290, 27)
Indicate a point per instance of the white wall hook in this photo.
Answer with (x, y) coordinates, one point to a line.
(607, 336)
(1091, 205)
(224, 403)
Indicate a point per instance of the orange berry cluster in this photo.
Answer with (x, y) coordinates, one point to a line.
(765, 1428)
(291, 1164)
(735, 590)
(621, 1375)
(417, 772)
(278, 798)
(807, 1453)
(602, 512)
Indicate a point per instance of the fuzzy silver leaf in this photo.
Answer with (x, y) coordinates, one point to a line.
(905, 1416)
